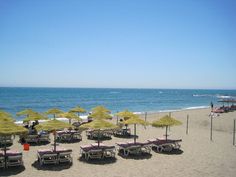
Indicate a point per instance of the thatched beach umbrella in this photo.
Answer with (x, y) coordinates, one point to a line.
(26, 112)
(8, 128)
(135, 120)
(70, 116)
(165, 122)
(100, 112)
(98, 124)
(6, 116)
(77, 110)
(35, 117)
(125, 114)
(54, 112)
(52, 126)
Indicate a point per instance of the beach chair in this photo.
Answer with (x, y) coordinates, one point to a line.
(94, 154)
(122, 132)
(14, 158)
(109, 151)
(146, 147)
(2, 161)
(32, 139)
(64, 155)
(76, 136)
(43, 138)
(91, 152)
(6, 140)
(162, 145)
(130, 148)
(47, 156)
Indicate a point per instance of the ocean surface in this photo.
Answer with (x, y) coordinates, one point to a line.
(137, 100)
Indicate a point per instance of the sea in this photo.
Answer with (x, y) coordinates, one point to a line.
(14, 100)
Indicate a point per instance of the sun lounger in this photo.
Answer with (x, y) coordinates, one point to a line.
(122, 132)
(64, 155)
(47, 156)
(108, 151)
(94, 151)
(93, 134)
(43, 138)
(6, 140)
(76, 136)
(13, 158)
(134, 148)
(2, 160)
(32, 139)
(91, 152)
(165, 145)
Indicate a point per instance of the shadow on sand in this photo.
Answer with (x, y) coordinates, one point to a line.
(51, 167)
(98, 161)
(126, 136)
(69, 142)
(141, 156)
(12, 171)
(173, 152)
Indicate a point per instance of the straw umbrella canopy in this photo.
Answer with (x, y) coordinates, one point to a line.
(100, 112)
(6, 116)
(77, 110)
(35, 117)
(166, 121)
(10, 128)
(54, 112)
(125, 114)
(69, 116)
(26, 112)
(52, 126)
(98, 124)
(134, 120)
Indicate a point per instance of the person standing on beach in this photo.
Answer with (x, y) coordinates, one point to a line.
(212, 106)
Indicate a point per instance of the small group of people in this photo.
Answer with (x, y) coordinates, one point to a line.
(31, 128)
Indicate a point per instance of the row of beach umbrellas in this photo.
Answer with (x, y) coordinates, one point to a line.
(99, 114)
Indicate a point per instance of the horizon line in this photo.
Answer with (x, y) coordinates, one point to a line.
(68, 87)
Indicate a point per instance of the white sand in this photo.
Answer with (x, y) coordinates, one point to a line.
(200, 157)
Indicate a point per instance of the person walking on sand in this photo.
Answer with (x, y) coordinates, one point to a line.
(212, 106)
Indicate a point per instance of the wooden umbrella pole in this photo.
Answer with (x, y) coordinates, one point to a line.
(166, 132)
(211, 128)
(54, 140)
(5, 151)
(134, 133)
(234, 133)
(187, 124)
(98, 137)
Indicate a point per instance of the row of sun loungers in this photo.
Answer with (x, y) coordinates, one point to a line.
(13, 158)
(92, 151)
(48, 156)
(35, 138)
(224, 109)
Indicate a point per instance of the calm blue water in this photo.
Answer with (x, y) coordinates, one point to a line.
(137, 100)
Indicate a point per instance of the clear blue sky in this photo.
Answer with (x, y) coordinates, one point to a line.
(120, 43)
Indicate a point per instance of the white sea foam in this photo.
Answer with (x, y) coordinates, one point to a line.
(223, 96)
(196, 107)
